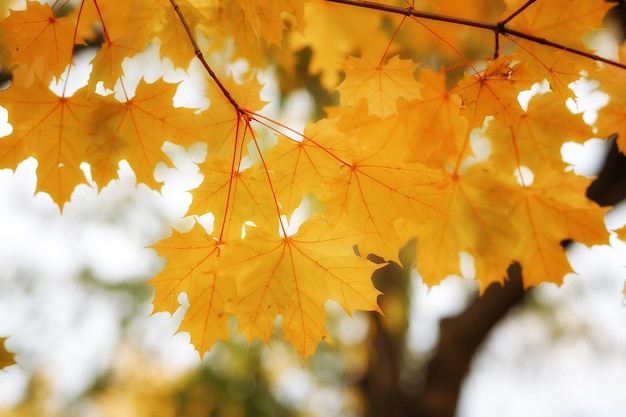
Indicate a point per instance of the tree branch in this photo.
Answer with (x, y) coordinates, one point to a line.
(459, 339)
(200, 56)
(498, 28)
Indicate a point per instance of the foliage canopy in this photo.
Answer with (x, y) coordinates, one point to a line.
(428, 139)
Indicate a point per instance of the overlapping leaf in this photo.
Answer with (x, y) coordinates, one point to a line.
(191, 269)
(392, 162)
(52, 129)
(550, 211)
(41, 43)
(135, 131)
(494, 92)
(380, 84)
(294, 276)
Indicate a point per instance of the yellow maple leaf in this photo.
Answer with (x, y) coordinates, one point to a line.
(191, 269)
(494, 93)
(332, 37)
(380, 84)
(562, 21)
(371, 193)
(41, 43)
(307, 164)
(252, 25)
(536, 139)
(50, 128)
(99, 18)
(553, 209)
(156, 19)
(107, 63)
(559, 67)
(226, 131)
(475, 220)
(120, 34)
(294, 276)
(435, 127)
(234, 197)
(136, 130)
(358, 182)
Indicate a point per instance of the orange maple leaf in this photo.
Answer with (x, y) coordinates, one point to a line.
(53, 130)
(41, 44)
(294, 276)
(234, 197)
(560, 21)
(191, 270)
(380, 84)
(536, 139)
(551, 210)
(494, 93)
(476, 221)
(136, 130)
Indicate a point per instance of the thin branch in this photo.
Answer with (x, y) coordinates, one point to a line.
(546, 42)
(515, 13)
(410, 11)
(497, 28)
(200, 56)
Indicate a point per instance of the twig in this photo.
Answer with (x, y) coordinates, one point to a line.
(200, 56)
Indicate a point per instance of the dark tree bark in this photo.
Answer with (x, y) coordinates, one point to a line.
(459, 339)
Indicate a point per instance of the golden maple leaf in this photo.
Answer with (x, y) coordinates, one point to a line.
(191, 270)
(561, 21)
(475, 221)
(135, 131)
(536, 139)
(294, 276)
(234, 197)
(551, 210)
(494, 93)
(380, 84)
(50, 128)
(41, 44)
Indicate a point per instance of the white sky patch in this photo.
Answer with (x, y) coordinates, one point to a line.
(75, 76)
(585, 158)
(480, 145)
(307, 207)
(537, 88)
(588, 99)
(524, 176)
(5, 126)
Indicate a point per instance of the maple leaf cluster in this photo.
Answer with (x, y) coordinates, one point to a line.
(428, 140)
